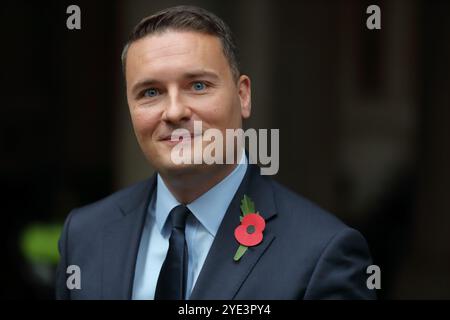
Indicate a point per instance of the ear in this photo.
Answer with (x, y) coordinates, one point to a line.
(245, 96)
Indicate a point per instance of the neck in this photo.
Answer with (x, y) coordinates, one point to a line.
(191, 184)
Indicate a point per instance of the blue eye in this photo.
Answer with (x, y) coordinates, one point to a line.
(151, 92)
(198, 86)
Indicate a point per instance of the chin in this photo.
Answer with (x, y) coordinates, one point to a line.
(165, 165)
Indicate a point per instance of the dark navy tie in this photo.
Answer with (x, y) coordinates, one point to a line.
(172, 277)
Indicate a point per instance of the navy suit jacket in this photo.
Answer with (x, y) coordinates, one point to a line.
(306, 252)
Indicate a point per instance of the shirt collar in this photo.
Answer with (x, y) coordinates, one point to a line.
(210, 207)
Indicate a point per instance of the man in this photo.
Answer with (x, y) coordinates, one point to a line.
(179, 234)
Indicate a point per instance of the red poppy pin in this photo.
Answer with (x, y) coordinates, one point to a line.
(250, 232)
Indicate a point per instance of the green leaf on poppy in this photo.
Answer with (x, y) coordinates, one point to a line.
(247, 206)
(240, 252)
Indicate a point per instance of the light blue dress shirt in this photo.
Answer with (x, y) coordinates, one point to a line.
(208, 210)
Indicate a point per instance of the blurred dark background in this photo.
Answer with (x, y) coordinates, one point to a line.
(363, 118)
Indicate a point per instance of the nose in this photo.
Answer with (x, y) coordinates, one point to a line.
(176, 110)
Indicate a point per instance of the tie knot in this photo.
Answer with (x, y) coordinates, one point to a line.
(178, 216)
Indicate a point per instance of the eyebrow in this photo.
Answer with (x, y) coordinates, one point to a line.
(187, 75)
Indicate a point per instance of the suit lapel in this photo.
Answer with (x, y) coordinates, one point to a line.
(121, 239)
(221, 277)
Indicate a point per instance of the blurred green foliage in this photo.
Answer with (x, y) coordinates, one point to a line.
(39, 243)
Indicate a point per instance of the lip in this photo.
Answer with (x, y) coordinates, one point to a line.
(168, 139)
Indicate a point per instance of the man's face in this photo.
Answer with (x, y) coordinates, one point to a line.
(175, 78)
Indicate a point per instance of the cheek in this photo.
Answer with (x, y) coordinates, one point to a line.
(220, 111)
(144, 121)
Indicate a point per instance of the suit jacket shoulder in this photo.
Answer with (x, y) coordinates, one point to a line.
(104, 210)
(333, 257)
(96, 234)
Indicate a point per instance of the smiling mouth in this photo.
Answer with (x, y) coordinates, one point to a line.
(168, 139)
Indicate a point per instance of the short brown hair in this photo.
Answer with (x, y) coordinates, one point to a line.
(187, 18)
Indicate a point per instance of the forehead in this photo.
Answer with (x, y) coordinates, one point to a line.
(171, 52)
